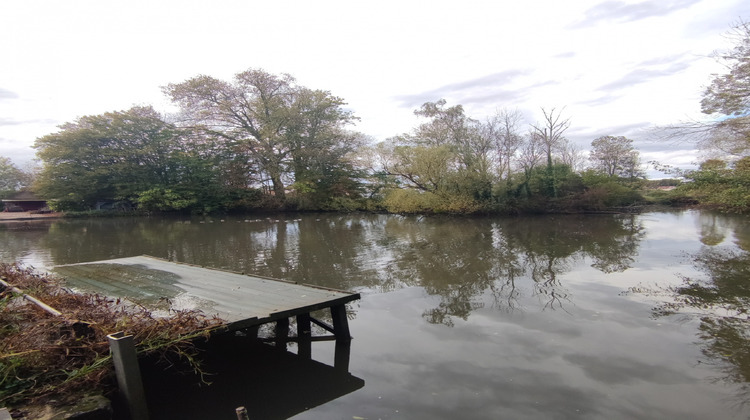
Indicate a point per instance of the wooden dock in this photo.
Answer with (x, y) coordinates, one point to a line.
(244, 302)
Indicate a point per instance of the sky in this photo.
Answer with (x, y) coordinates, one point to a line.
(613, 67)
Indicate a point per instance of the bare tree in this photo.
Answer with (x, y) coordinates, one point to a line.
(532, 153)
(502, 128)
(551, 131)
(571, 155)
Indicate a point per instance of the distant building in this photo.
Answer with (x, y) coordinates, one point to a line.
(24, 201)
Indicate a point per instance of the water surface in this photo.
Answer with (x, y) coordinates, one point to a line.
(611, 316)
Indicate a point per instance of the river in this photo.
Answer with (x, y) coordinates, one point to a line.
(586, 317)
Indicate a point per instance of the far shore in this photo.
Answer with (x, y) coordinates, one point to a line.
(9, 216)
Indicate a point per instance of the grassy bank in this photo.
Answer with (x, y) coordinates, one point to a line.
(49, 359)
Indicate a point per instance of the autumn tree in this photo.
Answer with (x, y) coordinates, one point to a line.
(448, 158)
(728, 96)
(615, 156)
(289, 133)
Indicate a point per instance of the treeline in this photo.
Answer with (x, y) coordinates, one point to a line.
(261, 141)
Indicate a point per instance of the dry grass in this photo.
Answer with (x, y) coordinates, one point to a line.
(44, 356)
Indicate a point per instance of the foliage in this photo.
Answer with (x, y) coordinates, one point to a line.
(12, 179)
(721, 186)
(133, 158)
(280, 130)
(556, 180)
(616, 156)
(413, 201)
(261, 141)
(729, 95)
(44, 356)
(112, 156)
(607, 195)
(160, 199)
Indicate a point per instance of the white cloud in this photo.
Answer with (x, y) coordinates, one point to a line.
(616, 66)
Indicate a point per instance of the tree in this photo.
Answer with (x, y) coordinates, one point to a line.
(550, 133)
(464, 137)
(530, 157)
(615, 156)
(12, 179)
(719, 185)
(571, 155)
(502, 129)
(729, 95)
(118, 156)
(283, 128)
(322, 151)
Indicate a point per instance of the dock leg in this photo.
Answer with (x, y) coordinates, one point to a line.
(340, 323)
(304, 333)
(128, 374)
(341, 355)
(282, 332)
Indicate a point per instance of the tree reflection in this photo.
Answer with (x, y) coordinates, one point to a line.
(721, 301)
(463, 261)
(469, 263)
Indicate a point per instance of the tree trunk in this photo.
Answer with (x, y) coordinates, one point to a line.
(278, 187)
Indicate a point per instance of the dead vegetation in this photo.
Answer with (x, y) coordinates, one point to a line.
(45, 357)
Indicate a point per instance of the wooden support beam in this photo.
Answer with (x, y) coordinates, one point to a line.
(314, 339)
(281, 332)
(341, 355)
(304, 335)
(340, 322)
(322, 324)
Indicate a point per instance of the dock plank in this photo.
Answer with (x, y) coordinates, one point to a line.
(235, 297)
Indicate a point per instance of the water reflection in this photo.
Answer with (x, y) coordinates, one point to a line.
(270, 382)
(538, 325)
(461, 260)
(719, 297)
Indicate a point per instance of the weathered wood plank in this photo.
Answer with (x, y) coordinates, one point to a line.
(241, 300)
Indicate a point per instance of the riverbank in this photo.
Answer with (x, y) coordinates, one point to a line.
(11, 216)
(75, 360)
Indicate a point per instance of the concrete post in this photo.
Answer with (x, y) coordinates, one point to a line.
(128, 374)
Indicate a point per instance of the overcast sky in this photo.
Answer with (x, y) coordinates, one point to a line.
(617, 67)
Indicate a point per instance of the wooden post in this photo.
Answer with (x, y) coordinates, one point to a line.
(128, 374)
(282, 332)
(340, 323)
(251, 332)
(341, 355)
(304, 334)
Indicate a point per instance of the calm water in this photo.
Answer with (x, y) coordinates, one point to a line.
(482, 318)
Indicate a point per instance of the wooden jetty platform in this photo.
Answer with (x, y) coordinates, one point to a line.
(244, 302)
